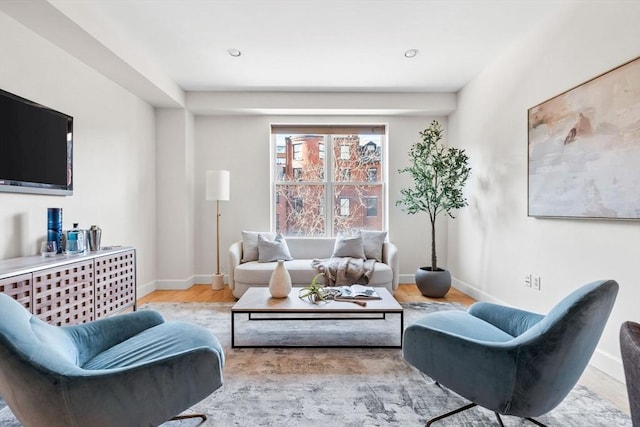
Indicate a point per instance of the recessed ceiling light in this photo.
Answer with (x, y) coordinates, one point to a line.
(234, 52)
(411, 53)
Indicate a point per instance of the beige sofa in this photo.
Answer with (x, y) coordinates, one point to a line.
(242, 276)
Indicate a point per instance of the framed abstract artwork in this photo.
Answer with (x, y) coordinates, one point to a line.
(584, 149)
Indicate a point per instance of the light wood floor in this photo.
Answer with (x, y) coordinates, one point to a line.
(594, 379)
(204, 293)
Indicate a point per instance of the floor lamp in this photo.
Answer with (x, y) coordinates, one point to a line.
(217, 189)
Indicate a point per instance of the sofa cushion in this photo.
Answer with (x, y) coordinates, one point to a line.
(372, 241)
(348, 246)
(309, 248)
(301, 273)
(259, 273)
(273, 250)
(250, 244)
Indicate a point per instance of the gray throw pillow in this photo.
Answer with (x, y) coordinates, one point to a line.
(348, 246)
(273, 250)
(373, 241)
(250, 244)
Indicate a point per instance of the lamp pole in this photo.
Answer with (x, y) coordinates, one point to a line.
(217, 188)
(217, 237)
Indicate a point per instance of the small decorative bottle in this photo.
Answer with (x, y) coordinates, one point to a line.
(75, 240)
(280, 282)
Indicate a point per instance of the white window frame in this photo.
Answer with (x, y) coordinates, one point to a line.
(369, 174)
(297, 151)
(345, 204)
(326, 154)
(345, 152)
(367, 207)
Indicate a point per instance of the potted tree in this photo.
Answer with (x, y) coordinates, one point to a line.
(439, 174)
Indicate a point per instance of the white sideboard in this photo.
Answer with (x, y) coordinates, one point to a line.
(66, 290)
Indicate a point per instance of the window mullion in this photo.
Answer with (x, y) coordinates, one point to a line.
(329, 196)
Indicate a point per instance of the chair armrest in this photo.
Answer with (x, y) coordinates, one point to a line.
(235, 257)
(511, 320)
(468, 366)
(390, 257)
(95, 337)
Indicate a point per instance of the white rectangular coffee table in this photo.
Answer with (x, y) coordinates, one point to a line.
(258, 304)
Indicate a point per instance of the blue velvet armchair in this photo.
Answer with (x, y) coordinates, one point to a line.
(630, 351)
(133, 369)
(511, 361)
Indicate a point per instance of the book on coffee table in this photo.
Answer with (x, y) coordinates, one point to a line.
(356, 292)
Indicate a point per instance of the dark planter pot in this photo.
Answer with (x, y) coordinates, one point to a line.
(434, 284)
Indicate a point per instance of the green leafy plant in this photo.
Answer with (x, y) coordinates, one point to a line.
(315, 292)
(439, 174)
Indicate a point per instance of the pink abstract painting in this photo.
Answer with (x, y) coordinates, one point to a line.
(584, 149)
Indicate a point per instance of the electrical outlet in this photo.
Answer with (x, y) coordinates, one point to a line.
(527, 280)
(536, 282)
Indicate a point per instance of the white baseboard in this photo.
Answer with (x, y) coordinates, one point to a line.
(466, 288)
(205, 279)
(474, 292)
(609, 364)
(407, 278)
(176, 284)
(145, 289)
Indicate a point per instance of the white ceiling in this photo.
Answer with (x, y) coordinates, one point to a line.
(320, 45)
(169, 52)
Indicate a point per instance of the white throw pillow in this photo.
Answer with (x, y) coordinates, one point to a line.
(348, 246)
(373, 241)
(250, 244)
(273, 250)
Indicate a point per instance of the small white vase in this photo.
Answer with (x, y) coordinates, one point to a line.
(280, 282)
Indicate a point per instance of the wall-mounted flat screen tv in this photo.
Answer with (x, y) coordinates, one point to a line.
(36, 148)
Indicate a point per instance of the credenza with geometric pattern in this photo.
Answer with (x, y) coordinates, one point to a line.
(67, 290)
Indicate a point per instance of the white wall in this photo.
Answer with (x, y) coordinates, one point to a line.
(493, 243)
(241, 144)
(175, 203)
(114, 151)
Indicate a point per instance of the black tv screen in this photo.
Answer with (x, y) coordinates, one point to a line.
(36, 148)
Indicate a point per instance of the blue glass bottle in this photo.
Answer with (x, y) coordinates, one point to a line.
(54, 227)
(75, 240)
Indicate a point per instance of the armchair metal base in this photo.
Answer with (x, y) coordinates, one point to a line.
(469, 406)
(187, 417)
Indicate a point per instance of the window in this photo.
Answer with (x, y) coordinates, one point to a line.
(371, 204)
(328, 178)
(345, 174)
(344, 206)
(297, 151)
(345, 154)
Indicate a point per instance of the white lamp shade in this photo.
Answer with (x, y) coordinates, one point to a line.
(218, 185)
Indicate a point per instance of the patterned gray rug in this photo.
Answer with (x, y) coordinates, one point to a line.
(341, 386)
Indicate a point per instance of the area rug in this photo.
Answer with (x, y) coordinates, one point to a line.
(342, 386)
